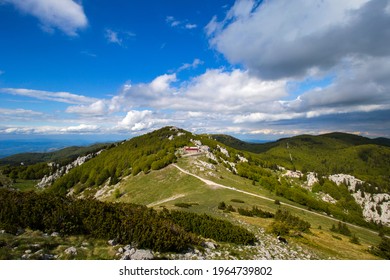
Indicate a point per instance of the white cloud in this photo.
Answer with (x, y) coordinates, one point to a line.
(117, 37)
(79, 129)
(82, 128)
(362, 87)
(19, 112)
(190, 26)
(64, 97)
(214, 91)
(265, 117)
(96, 108)
(273, 43)
(192, 65)
(173, 22)
(162, 83)
(112, 37)
(137, 120)
(223, 91)
(65, 15)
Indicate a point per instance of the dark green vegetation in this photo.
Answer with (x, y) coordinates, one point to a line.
(254, 212)
(382, 249)
(367, 159)
(241, 145)
(342, 229)
(283, 188)
(148, 152)
(286, 222)
(27, 172)
(210, 227)
(22, 170)
(127, 223)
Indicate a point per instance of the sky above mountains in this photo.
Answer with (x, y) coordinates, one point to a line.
(253, 69)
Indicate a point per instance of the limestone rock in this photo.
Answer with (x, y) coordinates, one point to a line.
(71, 251)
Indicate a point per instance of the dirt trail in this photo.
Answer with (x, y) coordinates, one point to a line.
(211, 183)
(165, 200)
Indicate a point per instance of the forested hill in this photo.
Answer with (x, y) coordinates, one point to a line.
(151, 151)
(242, 145)
(368, 159)
(343, 138)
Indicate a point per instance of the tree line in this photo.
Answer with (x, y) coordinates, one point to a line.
(172, 231)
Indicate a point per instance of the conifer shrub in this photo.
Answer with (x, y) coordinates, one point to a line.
(341, 228)
(382, 250)
(237, 200)
(255, 212)
(163, 231)
(285, 221)
(183, 205)
(210, 227)
(222, 205)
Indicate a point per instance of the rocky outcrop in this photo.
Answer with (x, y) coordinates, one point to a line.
(349, 180)
(224, 151)
(311, 179)
(376, 207)
(267, 248)
(71, 251)
(61, 171)
(131, 253)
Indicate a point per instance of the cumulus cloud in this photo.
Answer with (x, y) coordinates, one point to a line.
(363, 88)
(162, 83)
(312, 35)
(137, 120)
(214, 91)
(65, 15)
(64, 97)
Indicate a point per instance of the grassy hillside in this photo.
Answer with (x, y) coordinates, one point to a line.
(169, 188)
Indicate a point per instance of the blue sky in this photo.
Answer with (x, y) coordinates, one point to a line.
(253, 69)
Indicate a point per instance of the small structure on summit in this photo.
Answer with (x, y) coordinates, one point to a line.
(191, 150)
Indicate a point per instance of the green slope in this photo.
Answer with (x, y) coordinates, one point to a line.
(367, 159)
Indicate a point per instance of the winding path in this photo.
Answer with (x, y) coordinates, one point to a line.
(211, 183)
